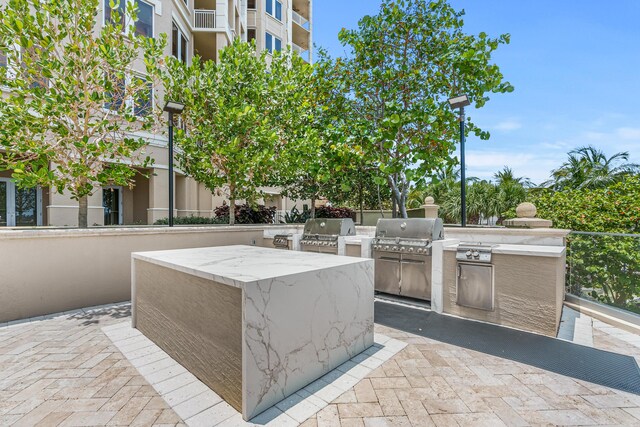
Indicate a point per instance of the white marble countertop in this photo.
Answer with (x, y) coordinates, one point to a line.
(240, 266)
(524, 250)
(356, 240)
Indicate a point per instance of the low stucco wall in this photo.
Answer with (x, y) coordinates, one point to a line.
(528, 292)
(46, 271)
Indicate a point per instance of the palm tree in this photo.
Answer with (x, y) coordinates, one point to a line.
(589, 168)
(506, 176)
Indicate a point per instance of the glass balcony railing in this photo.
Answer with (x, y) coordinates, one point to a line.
(605, 267)
(304, 54)
(301, 21)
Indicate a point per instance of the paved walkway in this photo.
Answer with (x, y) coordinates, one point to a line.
(65, 371)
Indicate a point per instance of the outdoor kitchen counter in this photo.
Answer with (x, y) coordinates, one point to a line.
(527, 287)
(254, 324)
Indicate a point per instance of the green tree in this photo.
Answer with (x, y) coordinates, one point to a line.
(73, 109)
(236, 121)
(589, 167)
(402, 66)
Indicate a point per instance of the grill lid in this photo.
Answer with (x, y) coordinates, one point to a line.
(410, 228)
(330, 226)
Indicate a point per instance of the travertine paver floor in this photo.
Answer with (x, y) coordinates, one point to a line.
(65, 371)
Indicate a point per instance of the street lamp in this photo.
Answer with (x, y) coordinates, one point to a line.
(460, 102)
(172, 108)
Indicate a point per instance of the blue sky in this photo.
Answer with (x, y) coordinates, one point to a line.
(575, 66)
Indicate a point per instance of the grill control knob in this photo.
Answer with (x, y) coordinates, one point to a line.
(386, 248)
(395, 248)
(410, 249)
(469, 254)
(476, 254)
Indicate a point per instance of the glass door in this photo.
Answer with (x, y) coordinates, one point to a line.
(112, 202)
(26, 204)
(19, 207)
(4, 203)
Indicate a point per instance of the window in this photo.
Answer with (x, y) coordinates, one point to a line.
(251, 4)
(35, 81)
(109, 15)
(251, 34)
(274, 8)
(278, 10)
(116, 97)
(143, 102)
(272, 43)
(144, 23)
(179, 43)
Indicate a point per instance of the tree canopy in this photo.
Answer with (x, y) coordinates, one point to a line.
(74, 113)
(239, 117)
(401, 67)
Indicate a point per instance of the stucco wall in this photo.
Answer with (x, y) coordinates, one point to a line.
(528, 292)
(48, 271)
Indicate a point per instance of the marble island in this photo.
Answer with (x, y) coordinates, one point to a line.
(254, 324)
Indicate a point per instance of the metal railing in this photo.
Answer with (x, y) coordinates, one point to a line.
(302, 21)
(605, 267)
(206, 19)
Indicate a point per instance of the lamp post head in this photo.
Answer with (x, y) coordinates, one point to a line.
(173, 107)
(459, 101)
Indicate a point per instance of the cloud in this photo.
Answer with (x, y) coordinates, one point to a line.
(537, 167)
(508, 125)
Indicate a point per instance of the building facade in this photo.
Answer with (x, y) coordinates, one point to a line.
(193, 27)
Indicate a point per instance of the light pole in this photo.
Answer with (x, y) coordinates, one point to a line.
(460, 102)
(172, 108)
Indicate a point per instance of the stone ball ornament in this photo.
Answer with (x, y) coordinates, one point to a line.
(526, 210)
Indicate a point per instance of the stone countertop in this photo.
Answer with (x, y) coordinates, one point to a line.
(524, 250)
(356, 240)
(240, 266)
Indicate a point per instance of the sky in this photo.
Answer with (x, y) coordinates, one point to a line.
(575, 66)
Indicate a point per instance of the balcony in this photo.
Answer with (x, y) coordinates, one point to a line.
(304, 53)
(301, 21)
(301, 31)
(209, 20)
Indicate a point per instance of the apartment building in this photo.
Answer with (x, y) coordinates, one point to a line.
(193, 27)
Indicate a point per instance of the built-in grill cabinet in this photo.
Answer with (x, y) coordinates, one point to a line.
(402, 254)
(321, 235)
(474, 283)
(281, 241)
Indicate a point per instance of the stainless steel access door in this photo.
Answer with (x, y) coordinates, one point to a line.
(416, 277)
(475, 286)
(387, 272)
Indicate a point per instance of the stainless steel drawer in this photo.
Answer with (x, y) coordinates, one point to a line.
(474, 286)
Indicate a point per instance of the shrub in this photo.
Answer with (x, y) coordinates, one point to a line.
(189, 220)
(297, 217)
(247, 214)
(606, 268)
(331, 212)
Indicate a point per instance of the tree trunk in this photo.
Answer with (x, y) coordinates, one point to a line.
(313, 206)
(398, 197)
(361, 207)
(83, 211)
(232, 210)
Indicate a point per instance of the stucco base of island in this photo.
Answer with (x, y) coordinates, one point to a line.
(254, 324)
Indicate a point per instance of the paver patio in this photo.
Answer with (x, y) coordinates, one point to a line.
(65, 371)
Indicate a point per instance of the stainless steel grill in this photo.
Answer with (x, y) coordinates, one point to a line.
(321, 235)
(474, 283)
(402, 254)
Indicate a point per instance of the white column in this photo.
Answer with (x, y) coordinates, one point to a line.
(437, 272)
